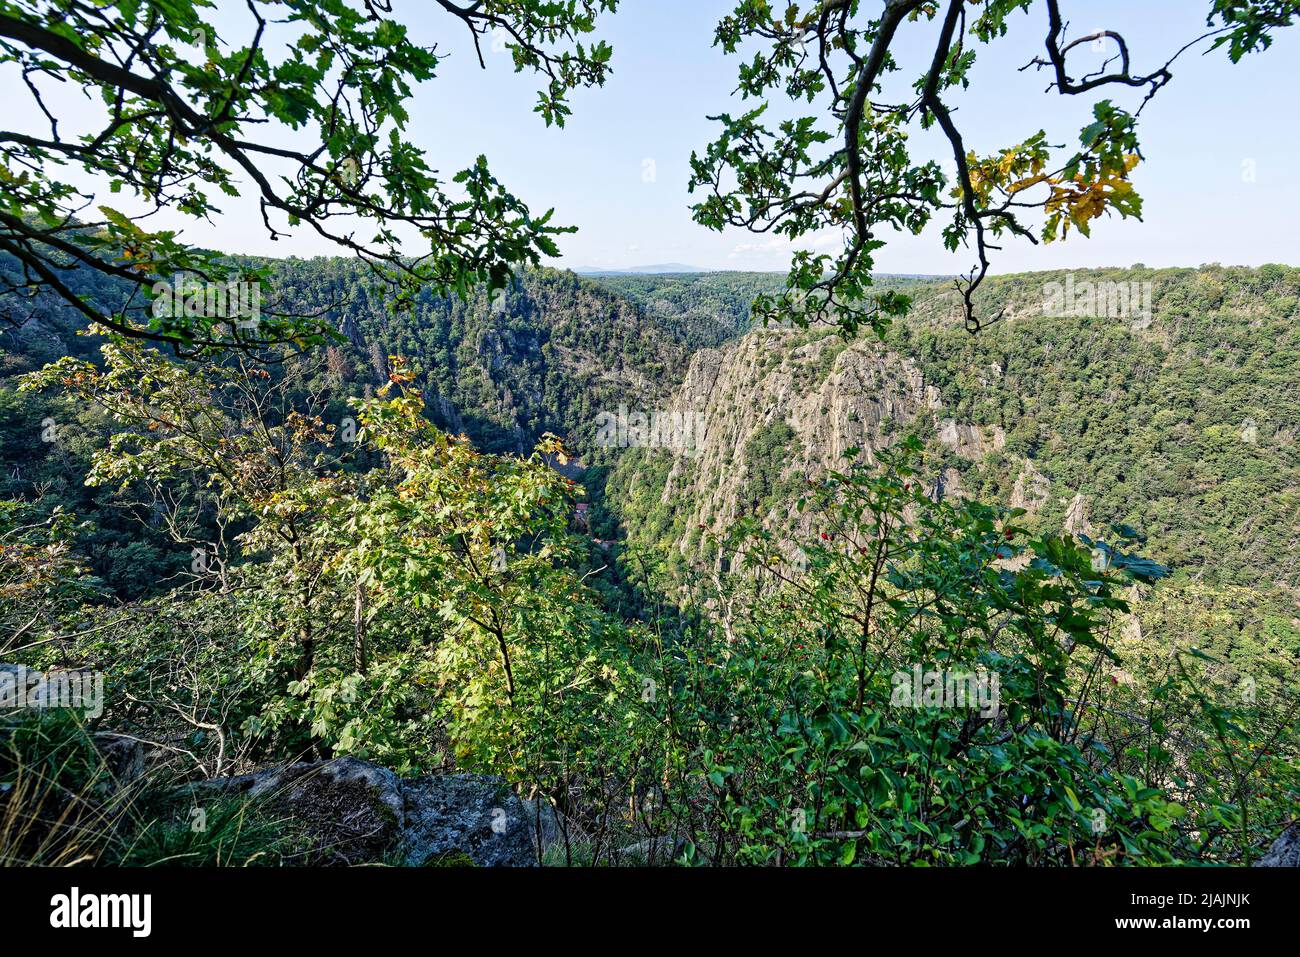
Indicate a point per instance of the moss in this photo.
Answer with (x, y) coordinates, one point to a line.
(452, 858)
(384, 810)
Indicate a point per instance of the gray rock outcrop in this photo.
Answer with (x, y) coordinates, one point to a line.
(348, 811)
(1285, 851)
(452, 816)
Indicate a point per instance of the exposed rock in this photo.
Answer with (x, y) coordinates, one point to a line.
(124, 755)
(349, 328)
(834, 397)
(1076, 517)
(445, 412)
(353, 812)
(543, 823)
(947, 485)
(347, 811)
(448, 817)
(1031, 489)
(971, 441)
(1285, 851)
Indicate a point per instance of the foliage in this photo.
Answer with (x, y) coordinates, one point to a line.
(60, 805)
(345, 554)
(827, 145)
(796, 746)
(1175, 417)
(307, 100)
(41, 578)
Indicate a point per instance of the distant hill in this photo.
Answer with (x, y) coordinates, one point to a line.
(658, 269)
(681, 269)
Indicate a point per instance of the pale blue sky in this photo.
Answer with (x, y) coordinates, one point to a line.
(667, 77)
(1213, 121)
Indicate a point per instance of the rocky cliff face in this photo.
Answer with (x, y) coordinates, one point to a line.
(838, 400)
(780, 407)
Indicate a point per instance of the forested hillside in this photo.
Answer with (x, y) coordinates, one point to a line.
(704, 309)
(546, 355)
(1182, 423)
(539, 356)
(296, 555)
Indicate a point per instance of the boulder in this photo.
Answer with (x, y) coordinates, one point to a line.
(1285, 851)
(464, 818)
(124, 756)
(347, 811)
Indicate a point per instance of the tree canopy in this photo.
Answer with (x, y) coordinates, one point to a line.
(843, 161)
(304, 103)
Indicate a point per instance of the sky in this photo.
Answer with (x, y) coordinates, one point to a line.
(1221, 182)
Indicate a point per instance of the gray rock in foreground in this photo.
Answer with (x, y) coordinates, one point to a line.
(451, 816)
(353, 812)
(1285, 851)
(346, 811)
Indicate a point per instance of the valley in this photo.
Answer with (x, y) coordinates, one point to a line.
(1172, 431)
